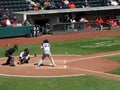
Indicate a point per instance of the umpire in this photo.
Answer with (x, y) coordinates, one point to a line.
(8, 53)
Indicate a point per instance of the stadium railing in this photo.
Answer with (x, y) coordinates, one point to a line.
(81, 27)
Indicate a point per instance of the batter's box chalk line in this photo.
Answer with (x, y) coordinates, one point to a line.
(48, 65)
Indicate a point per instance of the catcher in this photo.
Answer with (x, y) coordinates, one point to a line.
(24, 56)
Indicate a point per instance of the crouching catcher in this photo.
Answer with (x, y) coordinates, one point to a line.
(24, 56)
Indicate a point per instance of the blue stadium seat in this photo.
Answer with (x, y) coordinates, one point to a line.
(14, 5)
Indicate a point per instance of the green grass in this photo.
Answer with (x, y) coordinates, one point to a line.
(68, 83)
(117, 59)
(82, 47)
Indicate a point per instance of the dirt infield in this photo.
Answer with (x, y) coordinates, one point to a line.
(59, 37)
(67, 65)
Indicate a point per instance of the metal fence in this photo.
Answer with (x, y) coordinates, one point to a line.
(84, 26)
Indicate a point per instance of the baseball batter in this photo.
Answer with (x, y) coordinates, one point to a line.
(46, 53)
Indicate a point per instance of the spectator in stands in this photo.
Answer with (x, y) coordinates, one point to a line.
(73, 23)
(38, 5)
(109, 22)
(71, 5)
(66, 19)
(53, 5)
(32, 2)
(115, 23)
(35, 8)
(14, 18)
(89, 27)
(65, 3)
(59, 5)
(47, 28)
(0, 23)
(118, 2)
(26, 23)
(114, 3)
(0, 12)
(99, 22)
(30, 6)
(107, 2)
(14, 24)
(8, 13)
(85, 4)
(58, 19)
(19, 23)
(36, 2)
(3, 12)
(7, 21)
(112, 23)
(82, 23)
(47, 5)
(118, 19)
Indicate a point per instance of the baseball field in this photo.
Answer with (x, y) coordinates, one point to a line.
(85, 61)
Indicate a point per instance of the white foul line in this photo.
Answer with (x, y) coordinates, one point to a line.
(92, 57)
(42, 76)
(92, 71)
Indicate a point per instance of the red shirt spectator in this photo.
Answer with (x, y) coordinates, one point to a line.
(89, 27)
(115, 23)
(7, 22)
(72, 5)
(99, 20)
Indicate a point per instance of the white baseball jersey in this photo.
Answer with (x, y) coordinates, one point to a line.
(46, 53)
(46, 48)
(24, 55)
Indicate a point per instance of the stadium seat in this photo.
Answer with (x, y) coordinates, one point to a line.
(14, 5)
(22, 4)
(78, 4)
